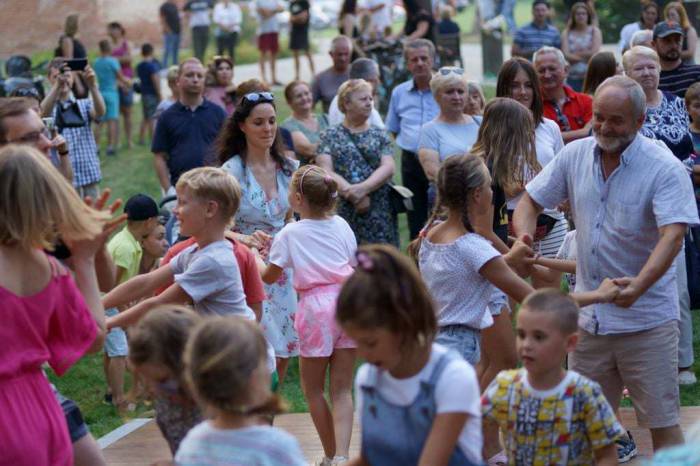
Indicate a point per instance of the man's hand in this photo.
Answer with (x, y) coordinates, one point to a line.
(608, 290)
(629, 292)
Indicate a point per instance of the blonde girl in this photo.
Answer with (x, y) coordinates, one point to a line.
(320, 249)
(418, 402)
(156, 348)
(225, 365)
(48, 316)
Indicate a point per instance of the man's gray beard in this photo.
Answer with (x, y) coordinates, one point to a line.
(613, 144)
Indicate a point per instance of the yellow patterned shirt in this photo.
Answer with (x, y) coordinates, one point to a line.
(560, 426)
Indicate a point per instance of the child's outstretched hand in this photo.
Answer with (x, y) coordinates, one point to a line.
(608, 290)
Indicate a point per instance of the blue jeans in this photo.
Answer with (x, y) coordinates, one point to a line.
(171, 44)
(507, 7)
(466, 341)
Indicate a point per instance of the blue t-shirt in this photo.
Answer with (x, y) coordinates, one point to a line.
(449, 139)
(186, 136)
(106, 69)
(145, 70)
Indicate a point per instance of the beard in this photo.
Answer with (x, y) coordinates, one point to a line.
(671, 55)
(613, 144)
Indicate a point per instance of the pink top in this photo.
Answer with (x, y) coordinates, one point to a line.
(218, 95)
(121, 51)
(54, 326)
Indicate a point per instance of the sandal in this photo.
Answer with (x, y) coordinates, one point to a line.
(499, 459)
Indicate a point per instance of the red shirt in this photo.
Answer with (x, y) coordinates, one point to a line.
(252, 282)
(578, 110)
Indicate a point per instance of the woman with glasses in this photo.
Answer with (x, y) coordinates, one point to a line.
(250, 148)
(220, 88)
(518, 80)
(452, 132)
(305, 125)
(361, 159)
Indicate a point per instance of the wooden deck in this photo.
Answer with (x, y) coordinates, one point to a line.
(145, 445)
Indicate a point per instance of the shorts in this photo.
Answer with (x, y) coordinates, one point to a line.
(463, 339)
(645, 362)
(126, 98)
(116, 344)
(149, 103)
(91, 190)
(319, 333)
(111, 99)
(74, 418)
(299, 38)
(269, 42)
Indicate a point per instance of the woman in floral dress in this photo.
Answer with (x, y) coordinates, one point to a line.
(361, 158)
(249, 147)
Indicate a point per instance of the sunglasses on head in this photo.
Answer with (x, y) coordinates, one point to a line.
(446, 71)
(256, 96)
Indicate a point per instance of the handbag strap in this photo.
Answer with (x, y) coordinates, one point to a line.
(354, 143)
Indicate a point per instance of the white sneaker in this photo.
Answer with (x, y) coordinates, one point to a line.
(340, 460)
(687, 377)
(325, 462)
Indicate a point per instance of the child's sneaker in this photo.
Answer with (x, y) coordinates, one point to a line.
(339, 460)
(626, 448)
(686, 377)
(326, 461)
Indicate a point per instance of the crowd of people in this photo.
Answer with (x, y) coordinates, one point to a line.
(546, 273)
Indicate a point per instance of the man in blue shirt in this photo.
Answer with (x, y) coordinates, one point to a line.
(537, 34)
(412, 104)
(186, 131)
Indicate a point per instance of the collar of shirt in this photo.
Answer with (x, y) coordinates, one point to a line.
(184, 107)
(544, 27)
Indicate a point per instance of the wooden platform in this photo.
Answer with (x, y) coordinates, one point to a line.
(145, 445)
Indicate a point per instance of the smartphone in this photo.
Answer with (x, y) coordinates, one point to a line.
(77, 64)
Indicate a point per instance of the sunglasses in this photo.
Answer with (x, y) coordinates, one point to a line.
(259, 96)
(445, 71)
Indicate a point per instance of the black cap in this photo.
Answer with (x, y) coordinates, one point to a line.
(666, 28)
(140, 207)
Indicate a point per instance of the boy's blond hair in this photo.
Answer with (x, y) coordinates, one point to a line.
(37, 205)
(553, 301)
(214, 184)
(693, 93)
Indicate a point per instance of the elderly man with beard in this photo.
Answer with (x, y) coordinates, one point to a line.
(632, 201)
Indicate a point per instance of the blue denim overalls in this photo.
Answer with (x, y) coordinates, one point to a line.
(395, 435)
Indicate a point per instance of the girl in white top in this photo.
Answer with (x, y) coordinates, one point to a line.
(418, 402)
(320, 249)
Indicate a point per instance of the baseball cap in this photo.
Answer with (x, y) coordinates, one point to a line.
(666, 28)
(140, 207)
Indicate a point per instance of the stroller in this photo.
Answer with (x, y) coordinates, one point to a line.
(21, 75)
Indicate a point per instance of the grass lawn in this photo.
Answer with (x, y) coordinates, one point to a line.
(131, 172)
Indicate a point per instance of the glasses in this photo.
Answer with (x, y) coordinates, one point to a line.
(444, 71)
(256, 96)
(32, 138)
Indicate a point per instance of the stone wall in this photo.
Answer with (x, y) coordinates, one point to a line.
(28, 26)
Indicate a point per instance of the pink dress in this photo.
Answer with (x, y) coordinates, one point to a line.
(54, 326)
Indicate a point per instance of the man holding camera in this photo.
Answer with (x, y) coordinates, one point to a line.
(72, 118)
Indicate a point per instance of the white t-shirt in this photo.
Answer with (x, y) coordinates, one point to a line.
(228, 16)
(270, 24)
(456, 391)
(210, 276)
(336, 117)
(567, 251)
(321, 252)
(380, 18)
(451, 273)
(199, 12)
(548, 143)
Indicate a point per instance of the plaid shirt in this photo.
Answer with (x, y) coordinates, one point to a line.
(82, 146)
(617, 223)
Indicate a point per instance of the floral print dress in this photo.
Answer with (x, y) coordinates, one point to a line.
(269, 215)
(355, 157)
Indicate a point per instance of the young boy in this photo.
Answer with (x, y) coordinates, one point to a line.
(206, 273)
(125, 249)
(108, 73)
(165, 104)
(549, 415)
(148, 73)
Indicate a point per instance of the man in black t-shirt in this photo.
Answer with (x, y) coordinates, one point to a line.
(170, 23)
(299, 11)
(420, 22)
